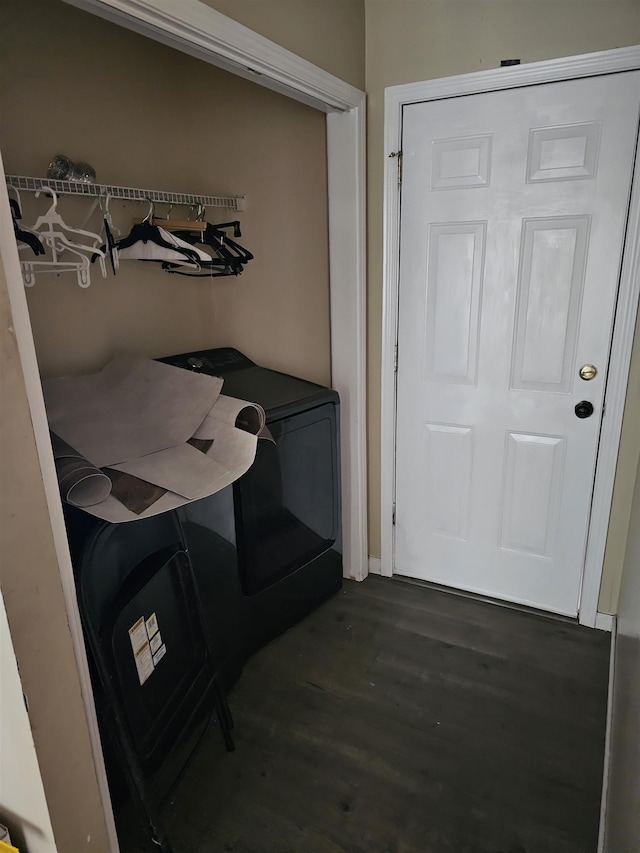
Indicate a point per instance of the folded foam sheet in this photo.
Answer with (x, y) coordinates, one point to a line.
(182, 469)
(247, 417)
(193, 474)
(81, 483)
(132, 408)
(233, 451)
(141, 415)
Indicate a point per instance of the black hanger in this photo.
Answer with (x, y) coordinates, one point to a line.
(224, 247)
(110, 244)
(235, 225)
(206, 270)
(222, 253)
(145, 232)
(24, 236)
(245, 254)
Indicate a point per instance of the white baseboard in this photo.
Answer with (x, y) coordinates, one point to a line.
(607, 740)
(375, 566)
(604, 621)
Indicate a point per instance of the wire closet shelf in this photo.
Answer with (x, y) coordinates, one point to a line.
(27, 184)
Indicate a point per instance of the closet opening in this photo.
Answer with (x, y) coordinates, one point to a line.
(75, 329)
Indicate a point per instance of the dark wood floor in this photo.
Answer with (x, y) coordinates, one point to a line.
(398, 718)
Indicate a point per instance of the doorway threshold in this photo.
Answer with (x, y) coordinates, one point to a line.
(475, 596)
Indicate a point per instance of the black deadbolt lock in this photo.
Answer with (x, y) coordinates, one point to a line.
(584, 409)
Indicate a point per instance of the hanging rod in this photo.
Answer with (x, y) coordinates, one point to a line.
(20, 182)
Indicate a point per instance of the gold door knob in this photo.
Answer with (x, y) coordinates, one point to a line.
(588, 371)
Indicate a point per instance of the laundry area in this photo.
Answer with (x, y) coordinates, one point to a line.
(171, 220)
(203, 442)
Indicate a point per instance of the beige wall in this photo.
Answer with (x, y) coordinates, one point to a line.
(145, 115)
(623, 806)
(23, 807)
(329, 33)
(620, 524)
(417, 40)
(37, 618)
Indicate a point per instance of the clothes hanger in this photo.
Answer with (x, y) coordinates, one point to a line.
(227, 250)
(206, 271)
(55, 234)
(235, 225)
(221, 254)
(58, 265)
(149, 242)
(22, 235)
(51, 219)
(214, 230)
(244, 254)
(109, 228)
(222, 263)
(222, 259)
(177, 224)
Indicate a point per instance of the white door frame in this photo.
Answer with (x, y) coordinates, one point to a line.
(396, 97)
(194, 28)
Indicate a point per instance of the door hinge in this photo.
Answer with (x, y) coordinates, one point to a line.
(393, 514)
(395, 359)
(398, 154)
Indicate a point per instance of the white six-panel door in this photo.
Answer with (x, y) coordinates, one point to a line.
(513, 213)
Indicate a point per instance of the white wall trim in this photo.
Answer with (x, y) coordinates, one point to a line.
(347, 267)
(607, 740)
(604, 622)
(615, 397)
(390, 295)
(396, 97)
(375, 566)
(513, 76)
(26, 349)
(196, 29)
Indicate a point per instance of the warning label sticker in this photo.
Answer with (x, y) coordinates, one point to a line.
(141, 651)
(159, 654)
(155, 642)
(152, 625)
(147, 646)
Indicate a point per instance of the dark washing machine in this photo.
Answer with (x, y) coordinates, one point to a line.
(283, 516)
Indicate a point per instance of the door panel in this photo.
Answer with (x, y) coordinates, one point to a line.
(454, 284)
(448, 467)
(512, 222)
(549, 295)
(533, 469)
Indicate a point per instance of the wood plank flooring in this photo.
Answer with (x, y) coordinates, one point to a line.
(398, 718)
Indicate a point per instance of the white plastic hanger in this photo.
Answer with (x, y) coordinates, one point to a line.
(59, 238)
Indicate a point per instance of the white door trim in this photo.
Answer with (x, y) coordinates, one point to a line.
(24, 339)
(396, 97)
(194, 28)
